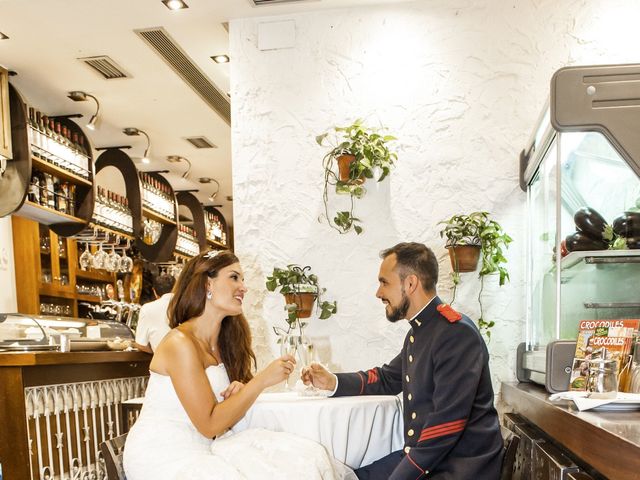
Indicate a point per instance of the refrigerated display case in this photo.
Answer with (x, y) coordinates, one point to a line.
(585, 152)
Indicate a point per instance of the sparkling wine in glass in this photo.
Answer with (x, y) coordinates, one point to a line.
(288, 346)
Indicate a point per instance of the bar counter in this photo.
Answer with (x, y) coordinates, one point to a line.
(56, 408)
(607, 441)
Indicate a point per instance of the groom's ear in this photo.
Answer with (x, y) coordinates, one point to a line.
(411, 282)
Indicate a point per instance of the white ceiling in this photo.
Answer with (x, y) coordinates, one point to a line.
(46, 37)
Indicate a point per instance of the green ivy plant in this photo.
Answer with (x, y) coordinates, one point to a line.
(372, 158)
(296, 279)
(479, 229)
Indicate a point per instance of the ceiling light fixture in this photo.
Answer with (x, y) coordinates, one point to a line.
(178, 159)
(136, 131)
(221, 58)
(3, 36)
(175, 4)
(79, 96)
(213, 196)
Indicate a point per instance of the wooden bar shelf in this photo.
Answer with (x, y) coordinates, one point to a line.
(46, 215)
(157, 217)
(58, 172)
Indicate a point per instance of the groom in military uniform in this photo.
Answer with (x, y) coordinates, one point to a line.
(451, 428)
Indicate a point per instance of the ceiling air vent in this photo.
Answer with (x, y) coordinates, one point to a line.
(106, 67)
(271, 2)
(177, 59)
(200, 142)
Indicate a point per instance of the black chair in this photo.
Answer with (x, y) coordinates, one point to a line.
(511, 442)
(112, 452)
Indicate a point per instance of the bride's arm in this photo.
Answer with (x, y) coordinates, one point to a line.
(192, 386)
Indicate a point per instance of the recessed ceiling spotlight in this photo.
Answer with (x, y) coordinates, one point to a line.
(175, 4)
(3, 36)
(220, 58)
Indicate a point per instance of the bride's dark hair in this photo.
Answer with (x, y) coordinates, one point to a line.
(189, 297)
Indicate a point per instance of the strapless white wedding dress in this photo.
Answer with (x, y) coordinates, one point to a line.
(163, 444)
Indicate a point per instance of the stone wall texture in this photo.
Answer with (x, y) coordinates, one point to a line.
(461, 84)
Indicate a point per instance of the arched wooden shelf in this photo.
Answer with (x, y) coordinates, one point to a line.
(14, 184)
(15, 181)
(162, 250)
(190, 201)
(225, 228)
(85, 199)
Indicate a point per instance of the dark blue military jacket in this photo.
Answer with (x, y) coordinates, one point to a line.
(451, 428)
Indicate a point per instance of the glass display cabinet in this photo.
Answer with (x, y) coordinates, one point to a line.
(22, 332)
(585, 153)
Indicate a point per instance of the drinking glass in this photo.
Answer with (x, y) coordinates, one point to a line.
(86, 258)
(113, 261)
(289, 346)
(100, 258)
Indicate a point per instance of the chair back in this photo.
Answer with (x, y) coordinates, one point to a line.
(112, 452)
(511, 442)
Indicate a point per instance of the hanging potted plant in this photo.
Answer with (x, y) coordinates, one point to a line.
(357, 153)
(469, 238)
(301, 290)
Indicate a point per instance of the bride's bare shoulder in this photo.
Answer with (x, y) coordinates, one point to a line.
(177, 347)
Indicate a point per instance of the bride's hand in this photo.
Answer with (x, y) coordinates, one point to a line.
(232, 389)
(277, 370)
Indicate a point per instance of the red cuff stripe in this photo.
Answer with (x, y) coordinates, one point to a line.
(458, 424)
(441, 433)
(372, 376)
(415, 465)
(444, 425)
(439, 430)
(361, 383)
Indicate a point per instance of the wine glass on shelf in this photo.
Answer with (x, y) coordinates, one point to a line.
(86, 258)
(288, 346)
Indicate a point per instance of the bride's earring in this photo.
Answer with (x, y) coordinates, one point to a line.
(209, 295)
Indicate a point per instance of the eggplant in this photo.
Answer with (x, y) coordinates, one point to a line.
(590, 223)
(633, 243)
(627, 224)
(579, 241)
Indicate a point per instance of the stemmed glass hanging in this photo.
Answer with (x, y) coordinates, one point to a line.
(86, 259)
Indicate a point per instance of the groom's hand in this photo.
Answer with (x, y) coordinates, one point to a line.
(318, 376)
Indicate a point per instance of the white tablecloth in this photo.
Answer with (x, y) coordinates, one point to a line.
(355, 430)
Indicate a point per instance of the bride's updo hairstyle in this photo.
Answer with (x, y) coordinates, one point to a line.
(189, 299)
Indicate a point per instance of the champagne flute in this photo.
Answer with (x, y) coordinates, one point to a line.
(288, 346)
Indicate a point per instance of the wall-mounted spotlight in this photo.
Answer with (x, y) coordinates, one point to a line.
(175, 4)
(220, 58)
(78, 96)
(136, 131)
(178, 159)
(213, 196)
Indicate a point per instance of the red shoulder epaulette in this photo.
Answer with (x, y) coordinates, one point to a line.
(449, 313)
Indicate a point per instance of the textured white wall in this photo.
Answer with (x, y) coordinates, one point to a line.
(461, 85)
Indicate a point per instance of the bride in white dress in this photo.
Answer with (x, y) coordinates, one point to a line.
(190, 399)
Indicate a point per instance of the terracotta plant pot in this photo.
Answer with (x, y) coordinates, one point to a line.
(464, 258)
(303, 300)
(344, 163)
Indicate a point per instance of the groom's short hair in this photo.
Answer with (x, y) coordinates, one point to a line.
(418, 259)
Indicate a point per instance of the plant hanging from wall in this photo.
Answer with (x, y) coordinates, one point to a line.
(300, 289)
(470, 237)
(357, 153)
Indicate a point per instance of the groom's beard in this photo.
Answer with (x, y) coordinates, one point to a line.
(399, 312)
